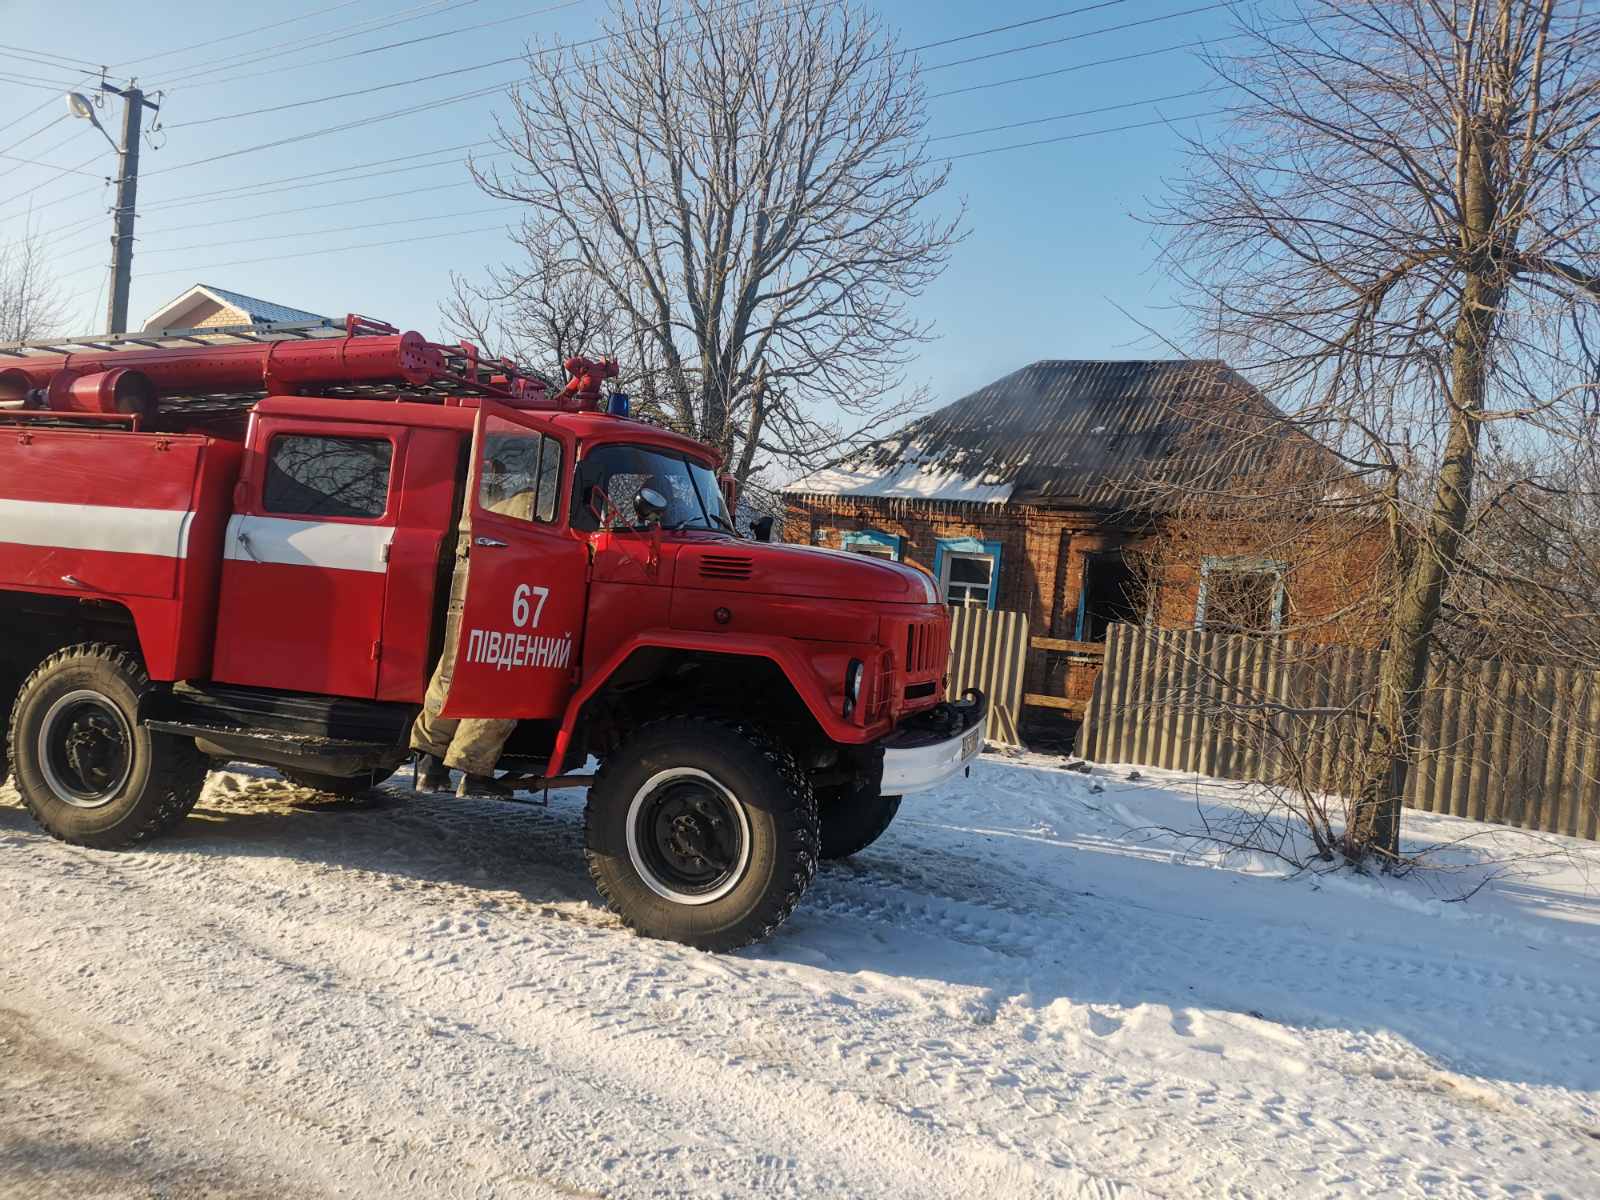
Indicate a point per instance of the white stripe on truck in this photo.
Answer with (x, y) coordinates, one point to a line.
(158, 531)
(294, 543)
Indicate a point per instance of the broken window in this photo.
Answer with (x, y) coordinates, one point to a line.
(1108, 594)
(874, 543)
(1240, 595)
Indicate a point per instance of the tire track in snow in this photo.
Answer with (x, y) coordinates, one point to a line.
(369, 924)
(426, 976)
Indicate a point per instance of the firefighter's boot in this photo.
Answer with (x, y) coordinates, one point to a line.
(483, 785)
(432, 775)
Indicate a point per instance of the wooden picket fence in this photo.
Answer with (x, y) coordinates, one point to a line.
(989, 651)
(1503, 742)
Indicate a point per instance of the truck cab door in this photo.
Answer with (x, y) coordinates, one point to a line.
(305, 557)
(526, 587)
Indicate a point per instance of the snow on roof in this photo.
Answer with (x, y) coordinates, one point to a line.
(912, 478)
(1062, 432)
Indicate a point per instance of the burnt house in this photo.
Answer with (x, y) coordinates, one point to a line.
(1030, 494)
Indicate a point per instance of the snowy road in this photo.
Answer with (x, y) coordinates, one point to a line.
(1020, 991)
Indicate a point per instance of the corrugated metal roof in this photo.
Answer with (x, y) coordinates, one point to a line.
(1059, 432)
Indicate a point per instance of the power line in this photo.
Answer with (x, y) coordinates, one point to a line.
(1072, 137)
(40, 107)
(967, 37)
(1083, 66)
(1073, 37)
(366, 91)
(1085, 112)
(606, 37)
(34, 162)
(50, 149)
(500, 62)
(294, 182)
(428, 37)
(245, 262)
(229, 37)
(36, 187)
(419, 12)
(243, 218)
(28, 82)
(71, 64)
(36, 132)
(303, 233)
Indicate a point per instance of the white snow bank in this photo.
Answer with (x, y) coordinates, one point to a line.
(1029, 987)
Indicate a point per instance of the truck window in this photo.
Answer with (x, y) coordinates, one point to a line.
(316, 476)
(693, 499)
(521, 472)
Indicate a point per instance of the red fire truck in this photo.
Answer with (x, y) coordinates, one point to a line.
(238, 545)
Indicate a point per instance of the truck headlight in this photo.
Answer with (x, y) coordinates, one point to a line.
(853, 674)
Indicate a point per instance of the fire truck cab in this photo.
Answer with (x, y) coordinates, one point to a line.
(263, 560)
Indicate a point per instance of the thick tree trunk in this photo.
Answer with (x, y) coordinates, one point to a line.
(1404, 671)
(1403, 674)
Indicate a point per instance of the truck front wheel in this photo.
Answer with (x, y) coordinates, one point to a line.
(86, 769)
(703, 832)
(853, 817)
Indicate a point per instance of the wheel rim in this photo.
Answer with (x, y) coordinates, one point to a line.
(85, 749)
(688, 836)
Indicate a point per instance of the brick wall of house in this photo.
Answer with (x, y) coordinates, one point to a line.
(1041, 550)
(1042, 567)
(221, 318)
(1334, 576)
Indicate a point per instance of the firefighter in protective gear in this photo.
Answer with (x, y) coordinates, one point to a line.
(471, 745)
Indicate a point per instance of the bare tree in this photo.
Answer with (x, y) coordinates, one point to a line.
(747, 185)
(31, 305)
(542, 312)
(1402, 244)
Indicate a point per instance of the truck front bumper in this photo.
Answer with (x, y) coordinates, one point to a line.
(934, 746)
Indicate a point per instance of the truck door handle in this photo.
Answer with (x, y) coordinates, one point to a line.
(489, 543)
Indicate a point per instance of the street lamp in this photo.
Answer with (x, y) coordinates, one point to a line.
(80, 106)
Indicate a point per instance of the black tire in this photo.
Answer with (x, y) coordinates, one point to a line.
(87, 770)
(8, 694)
(691, 784)
(347, 786)
(853, 817)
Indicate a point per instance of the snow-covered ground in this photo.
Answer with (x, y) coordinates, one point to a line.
(1025, 989)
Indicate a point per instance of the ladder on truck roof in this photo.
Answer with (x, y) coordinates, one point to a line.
(179, 376)
(216, 335)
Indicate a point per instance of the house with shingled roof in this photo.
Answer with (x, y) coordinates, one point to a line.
(1034, 494)
(206, 307)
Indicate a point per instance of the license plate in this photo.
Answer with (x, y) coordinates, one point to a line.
(971, 742)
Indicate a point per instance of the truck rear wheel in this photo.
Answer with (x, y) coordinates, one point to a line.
(703, 832)
(853, 817)
(87, 770)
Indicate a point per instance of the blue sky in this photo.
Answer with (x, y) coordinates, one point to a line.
(1055, 244)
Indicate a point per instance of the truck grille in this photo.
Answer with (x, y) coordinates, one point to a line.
(725, 566)
(923, 647)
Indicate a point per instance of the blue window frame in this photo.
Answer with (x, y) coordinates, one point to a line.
(967, 570)
(1241, 594)
(875, 542)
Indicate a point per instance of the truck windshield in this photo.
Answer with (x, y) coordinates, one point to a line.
(693, 499)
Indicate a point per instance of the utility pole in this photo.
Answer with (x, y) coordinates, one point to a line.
(133, 108)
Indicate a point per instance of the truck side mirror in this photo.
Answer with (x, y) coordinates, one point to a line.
(761, 529)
